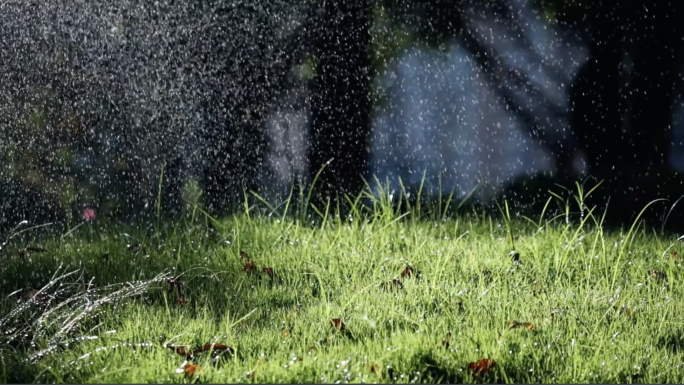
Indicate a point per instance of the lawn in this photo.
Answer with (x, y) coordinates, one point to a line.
(371, 297)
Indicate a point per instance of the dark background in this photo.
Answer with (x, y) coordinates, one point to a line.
(100, 98)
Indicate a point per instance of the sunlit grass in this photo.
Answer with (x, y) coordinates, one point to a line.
(598, 313)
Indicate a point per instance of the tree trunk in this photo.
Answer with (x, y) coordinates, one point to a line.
(596, 117)
(595, 96)
(341, 120)
(632, 158)
(172, 187)
(234, 159)
(657, 36)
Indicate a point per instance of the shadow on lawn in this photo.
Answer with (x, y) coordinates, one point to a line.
(673, 342)
(17, 371)
(622, 200)
(436, 372)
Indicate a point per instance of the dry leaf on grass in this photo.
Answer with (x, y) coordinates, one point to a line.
(337, 324)
(481, 367)
(517, 324)
(187, 368)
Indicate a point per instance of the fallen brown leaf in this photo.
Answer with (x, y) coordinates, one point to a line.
(250, 267)
(407, 272)
(481, 367)
(187, 368)
(190, 369)
(338, 324)
(516, 324)
(374, 368)
(180, 350)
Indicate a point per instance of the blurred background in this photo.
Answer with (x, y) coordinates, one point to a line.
(103, 104)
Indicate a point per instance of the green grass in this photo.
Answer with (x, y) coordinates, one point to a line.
(598, 315)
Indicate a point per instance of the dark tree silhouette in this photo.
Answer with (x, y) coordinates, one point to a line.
(341, 120)
(657, 34)
(250, 82)
(622, 117)
(595, 94)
